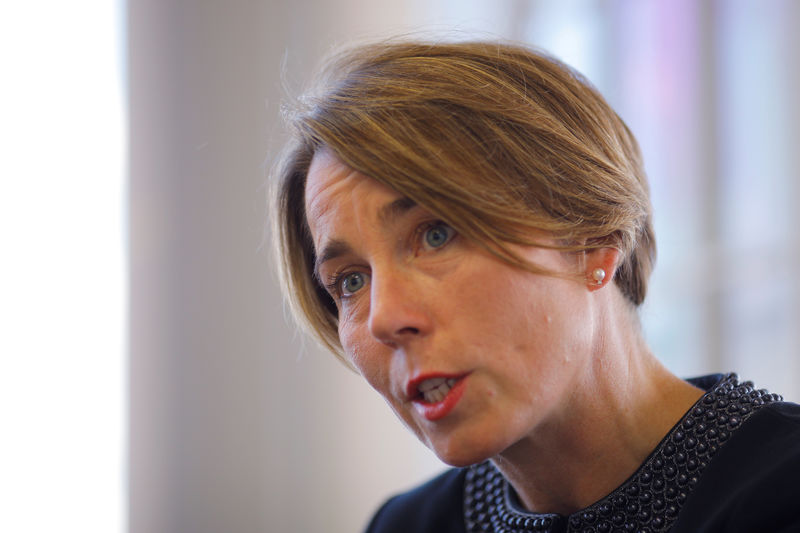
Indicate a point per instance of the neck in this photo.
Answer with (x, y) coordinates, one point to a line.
(624, 403)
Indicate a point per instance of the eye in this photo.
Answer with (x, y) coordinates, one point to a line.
(437, 235)
(351, 283)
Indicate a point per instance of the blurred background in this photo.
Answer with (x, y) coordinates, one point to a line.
(151, 380)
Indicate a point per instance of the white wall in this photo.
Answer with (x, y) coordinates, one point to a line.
(62, 268)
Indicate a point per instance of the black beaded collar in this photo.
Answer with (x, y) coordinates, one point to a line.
(650, 500)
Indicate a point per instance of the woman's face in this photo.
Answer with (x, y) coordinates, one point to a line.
(473, 354)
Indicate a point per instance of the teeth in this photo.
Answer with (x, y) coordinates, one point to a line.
(434, 390)
(429, 384)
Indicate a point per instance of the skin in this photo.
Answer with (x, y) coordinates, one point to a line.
(560, 390)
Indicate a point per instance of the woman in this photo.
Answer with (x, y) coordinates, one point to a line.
(468, 226)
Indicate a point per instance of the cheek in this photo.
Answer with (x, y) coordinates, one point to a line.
(525, 313)
(499, 302)
(351, 344)
(352, 334)
(364, 353)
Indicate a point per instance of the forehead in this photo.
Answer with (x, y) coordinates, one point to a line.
(332, 185)
(326, 176)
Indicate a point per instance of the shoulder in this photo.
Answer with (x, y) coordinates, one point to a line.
(751, 485)
(436, 506)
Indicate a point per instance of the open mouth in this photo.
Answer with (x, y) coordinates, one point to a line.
(434, 390)
(435, 397)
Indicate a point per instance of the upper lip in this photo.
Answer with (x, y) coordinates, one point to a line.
(412, 387)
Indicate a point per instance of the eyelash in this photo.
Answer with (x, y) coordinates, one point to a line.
(334, 282)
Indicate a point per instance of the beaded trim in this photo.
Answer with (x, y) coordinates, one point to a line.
(650, 500)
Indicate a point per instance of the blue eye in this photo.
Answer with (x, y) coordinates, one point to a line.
(438, 235)
(352, 282)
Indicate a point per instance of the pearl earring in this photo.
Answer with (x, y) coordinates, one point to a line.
(598, 274)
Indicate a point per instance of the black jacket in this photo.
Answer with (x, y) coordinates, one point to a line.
(750, 484)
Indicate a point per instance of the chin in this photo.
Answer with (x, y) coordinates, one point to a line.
(460, 454)
(460, 462)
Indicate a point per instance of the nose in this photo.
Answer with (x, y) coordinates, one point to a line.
(398, 312)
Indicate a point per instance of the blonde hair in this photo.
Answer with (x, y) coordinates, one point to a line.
(500, 141)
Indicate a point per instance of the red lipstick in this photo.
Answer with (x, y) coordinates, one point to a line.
(441, 398)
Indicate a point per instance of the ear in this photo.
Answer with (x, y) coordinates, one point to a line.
(600, 266)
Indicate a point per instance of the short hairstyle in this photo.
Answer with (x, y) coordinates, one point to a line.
(501, 141)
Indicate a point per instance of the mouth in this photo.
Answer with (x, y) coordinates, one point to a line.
(434, 390)
(436, 396)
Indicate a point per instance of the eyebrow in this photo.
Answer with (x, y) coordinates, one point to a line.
(332, 250)
(393, 210)
(386, 215)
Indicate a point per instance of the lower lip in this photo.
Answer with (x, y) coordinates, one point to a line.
(440, 409)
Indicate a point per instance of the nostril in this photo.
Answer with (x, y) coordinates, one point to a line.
(410, 330)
